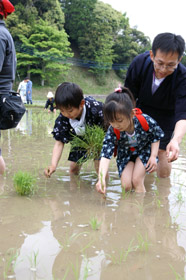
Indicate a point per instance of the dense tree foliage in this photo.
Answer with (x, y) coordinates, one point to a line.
(78, 15)
(96, 44)
(129, 42)
(44, 52)
(102, 35)
(40, 39)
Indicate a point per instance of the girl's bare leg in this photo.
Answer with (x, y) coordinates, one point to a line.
(138, 176)
(126, 176)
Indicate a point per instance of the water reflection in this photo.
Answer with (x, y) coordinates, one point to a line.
(25, 125)
(37, 118)
(92, 267)
(177, 200)
(37, 255)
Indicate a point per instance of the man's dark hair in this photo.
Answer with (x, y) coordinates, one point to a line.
(168, 42)
(68, 95)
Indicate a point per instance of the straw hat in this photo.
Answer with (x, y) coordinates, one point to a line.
(50, 95)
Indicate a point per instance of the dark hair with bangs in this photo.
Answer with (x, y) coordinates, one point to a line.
(68, 95)
(168, 42)
(119, 102)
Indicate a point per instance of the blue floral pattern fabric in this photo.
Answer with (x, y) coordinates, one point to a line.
(63, 131)
(144, 140)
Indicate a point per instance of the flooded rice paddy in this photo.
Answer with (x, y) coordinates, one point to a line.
(68, 231)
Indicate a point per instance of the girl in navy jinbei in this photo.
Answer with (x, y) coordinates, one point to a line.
(75, 113)
(137, 144)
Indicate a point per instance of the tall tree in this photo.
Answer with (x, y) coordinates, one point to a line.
(44, 52)
(98, 39)
(78, 14)
(129, 42)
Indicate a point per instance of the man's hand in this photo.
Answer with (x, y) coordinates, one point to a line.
(172, 150)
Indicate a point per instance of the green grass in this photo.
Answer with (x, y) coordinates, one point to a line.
(24, 183)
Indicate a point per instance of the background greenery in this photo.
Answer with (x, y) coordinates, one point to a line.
(56, 39)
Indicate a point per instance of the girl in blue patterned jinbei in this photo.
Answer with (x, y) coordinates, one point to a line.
(136, 138)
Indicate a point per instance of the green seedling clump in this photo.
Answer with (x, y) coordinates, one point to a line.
(91, 142)
(94, 223)
(24, 183)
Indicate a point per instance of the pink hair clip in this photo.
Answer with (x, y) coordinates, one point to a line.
(118, 90)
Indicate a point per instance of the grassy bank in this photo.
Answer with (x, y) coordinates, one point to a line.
(84, 79)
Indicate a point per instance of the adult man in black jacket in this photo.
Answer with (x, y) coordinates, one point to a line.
(158, 81)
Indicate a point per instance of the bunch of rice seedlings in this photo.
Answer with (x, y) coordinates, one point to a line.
(91, 142)
(94, 223)
(24, 183)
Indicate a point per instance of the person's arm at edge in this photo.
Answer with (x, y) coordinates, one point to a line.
(103, 171)
(56, 155)
(172, 150)
(2, 53)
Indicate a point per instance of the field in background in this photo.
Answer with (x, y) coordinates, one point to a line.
(84, 79)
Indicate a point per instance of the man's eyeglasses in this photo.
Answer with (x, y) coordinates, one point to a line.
(159, 65)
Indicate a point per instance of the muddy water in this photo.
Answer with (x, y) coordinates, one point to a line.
(53, 235)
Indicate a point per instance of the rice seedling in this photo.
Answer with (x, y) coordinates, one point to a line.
(139, 206)
(64, 277)
(10, 260)
(102, 186)
(158, 202)
(67, 240)
(94, 223)
(83, 272)
(176, 274)
(143, 243)
(123, 254)
(75, 269)
(125, 193)
(91, 142)
(33, 258)
(179, 196)
(24, 183)
(87, 246)
(168, 223)
(85, 267)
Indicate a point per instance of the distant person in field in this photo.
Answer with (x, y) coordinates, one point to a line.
(158, 81)
(50, 103)
(29, 91)
(7, 57)
(22, 90)
(76, 111)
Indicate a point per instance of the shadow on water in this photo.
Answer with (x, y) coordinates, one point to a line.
(69, 231)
